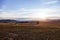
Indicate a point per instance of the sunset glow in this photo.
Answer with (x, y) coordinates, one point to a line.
(29, 8)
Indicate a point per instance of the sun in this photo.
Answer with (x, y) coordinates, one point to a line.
(42, 13)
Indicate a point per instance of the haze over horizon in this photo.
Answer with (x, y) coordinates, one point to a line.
(30, 9)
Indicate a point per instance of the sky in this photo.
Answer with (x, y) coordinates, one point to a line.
(29, 8)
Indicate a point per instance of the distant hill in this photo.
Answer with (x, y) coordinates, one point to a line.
(16, 20)
(56, 20)
(24, 19)
(7, 20)
(50, 23)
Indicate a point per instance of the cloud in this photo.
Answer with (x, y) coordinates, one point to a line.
(41, 12)
(15, 13)
(48, 2)
(31, 13)
(51, 2)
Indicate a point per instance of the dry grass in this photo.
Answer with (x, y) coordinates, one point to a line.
(18, 31)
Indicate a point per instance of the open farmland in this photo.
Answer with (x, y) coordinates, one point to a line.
(28, 31)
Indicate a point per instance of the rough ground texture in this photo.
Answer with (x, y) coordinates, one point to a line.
(29, 33)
